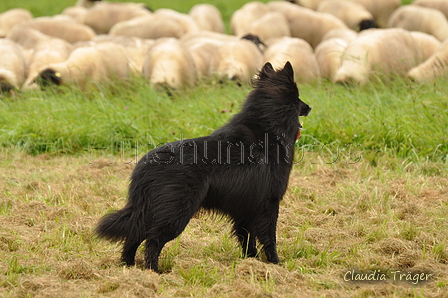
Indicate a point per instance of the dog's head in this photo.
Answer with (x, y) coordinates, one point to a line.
(280, 85)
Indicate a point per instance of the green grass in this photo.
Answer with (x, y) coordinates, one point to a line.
(397, 118)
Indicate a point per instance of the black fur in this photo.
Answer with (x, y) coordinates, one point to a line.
(240, 170)
(367, 24)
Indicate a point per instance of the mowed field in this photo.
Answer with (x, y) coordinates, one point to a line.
(367, 198)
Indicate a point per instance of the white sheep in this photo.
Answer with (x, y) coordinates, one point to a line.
(86, 3)
(136, 48)
(383, 53)
(343, 33)
(207, 17)
(306, 23)
(168, 63)
(441, 5)
(353, 14)
(162, 23)
(242, 18)
(12, 17)
(104, 15)
(273, 24)
(87, 66)
(27, 37)
(380, 9)
(298, 52)
(75, 12)
(237, 60)
(329, 55)
(12, 65)
(435, 67)
(61, 26)
(46, 52)
(418, 18)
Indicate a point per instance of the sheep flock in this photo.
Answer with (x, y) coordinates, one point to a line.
(343, 41)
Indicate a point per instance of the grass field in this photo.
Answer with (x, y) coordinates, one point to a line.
(368, 195)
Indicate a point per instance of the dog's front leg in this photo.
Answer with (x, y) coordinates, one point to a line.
(266, 231)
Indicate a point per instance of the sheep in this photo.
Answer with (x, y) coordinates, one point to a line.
(87, 66)
(168, 63)
(49, 51)
(13, 17)
(207, 17)
(329, 56)
(383, 52)
(237, 60)
(418, 18)
(104, 15)
(343, 33)
(162, 23)
(306, 23)
(242, 18)
(436, 66)
(353, 14)
(12, 65)
(86, 3)
(298, 52)
(75, 12)
(27, 37)
(60, 26)
(273, 24)
(441, 5)
(380, 9)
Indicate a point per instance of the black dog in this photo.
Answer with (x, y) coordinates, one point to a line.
(240, 170)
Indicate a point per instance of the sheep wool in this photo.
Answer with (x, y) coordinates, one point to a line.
(353, 14)
(382, 53)
(168, 63)
(380, 9)
(435, 67)
(207, 17)
(242, 18)
(12, 65)
(104, 15)
(237, 60)
(306, 23)
(12, 17)
(298, 52)
(441, 5)
(417, 18)
(273, 24)
(329, 56)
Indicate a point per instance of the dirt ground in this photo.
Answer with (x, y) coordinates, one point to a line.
(338, 223)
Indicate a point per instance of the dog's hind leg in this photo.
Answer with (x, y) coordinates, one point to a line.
(246, 239)
(129, 249)
(265, 226)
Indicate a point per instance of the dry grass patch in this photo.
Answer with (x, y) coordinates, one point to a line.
(334, 218)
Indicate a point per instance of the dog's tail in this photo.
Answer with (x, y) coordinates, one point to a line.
(126, 223)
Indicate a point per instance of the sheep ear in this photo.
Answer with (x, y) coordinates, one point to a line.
(287, 69)
(266, 71)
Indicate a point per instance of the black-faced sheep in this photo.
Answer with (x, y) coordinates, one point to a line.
(46, 52)
(353, 14)
(298, 52)
(418, 18)
(12, 17)
(169, 63)
(380, 9)
(306, 23)
(384, 53)
(87, 66)
(207, 17)
(12, 65)
(435, 67)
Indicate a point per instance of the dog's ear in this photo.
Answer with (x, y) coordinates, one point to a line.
(266, 71)
(287, 69)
